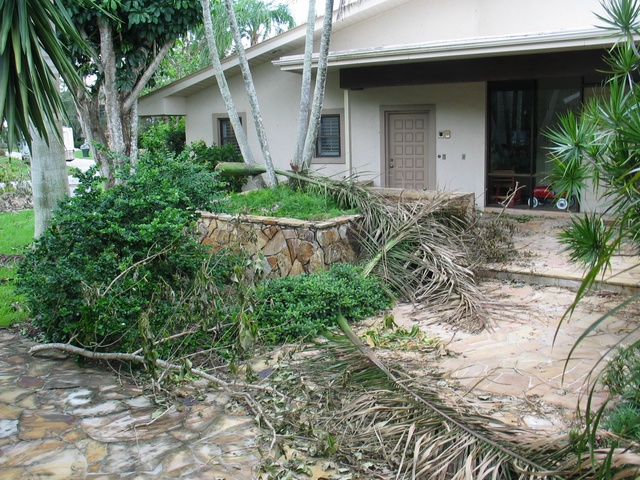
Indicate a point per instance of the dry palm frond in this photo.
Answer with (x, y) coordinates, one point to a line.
(419, 250)
(417, 246)
(407, 424)
(420, 437)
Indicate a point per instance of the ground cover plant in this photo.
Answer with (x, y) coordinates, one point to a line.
(16, 232)
(286, 201)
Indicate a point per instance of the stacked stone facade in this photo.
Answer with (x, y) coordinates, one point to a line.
(287, 246)
(291, 247)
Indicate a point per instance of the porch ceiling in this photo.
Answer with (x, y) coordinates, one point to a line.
(585, 63)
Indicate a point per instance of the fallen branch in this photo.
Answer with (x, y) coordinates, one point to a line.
(130, 357)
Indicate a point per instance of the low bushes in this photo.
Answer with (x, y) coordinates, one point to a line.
(295, 308)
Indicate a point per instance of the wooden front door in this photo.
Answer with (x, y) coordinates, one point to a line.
(407, 152)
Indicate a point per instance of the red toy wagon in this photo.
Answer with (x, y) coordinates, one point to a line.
(543, 193)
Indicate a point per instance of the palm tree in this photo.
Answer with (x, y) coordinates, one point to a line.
(257, 21)
(31, 59)
(601, 145)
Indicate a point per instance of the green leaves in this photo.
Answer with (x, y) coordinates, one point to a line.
(29, 92)
(621, 16)
(587, 240)
(297, 308)
(113, 259)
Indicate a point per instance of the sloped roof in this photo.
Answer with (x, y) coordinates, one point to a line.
(279, 50)
(274, 48)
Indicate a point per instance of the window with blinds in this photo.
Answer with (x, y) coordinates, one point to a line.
(328, 142)
(227, 135)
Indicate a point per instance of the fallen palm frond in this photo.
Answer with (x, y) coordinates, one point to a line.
(416, 245)
(395, 418)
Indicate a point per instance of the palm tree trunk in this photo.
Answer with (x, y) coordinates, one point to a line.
(241, 137)
(305, 89)
(251, 93)
(49, 181)
(321, 80)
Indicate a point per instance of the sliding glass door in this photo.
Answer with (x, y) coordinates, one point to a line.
(517, 155)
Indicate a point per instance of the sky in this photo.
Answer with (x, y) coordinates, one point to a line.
(299, 9)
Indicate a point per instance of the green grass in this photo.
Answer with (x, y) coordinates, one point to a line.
(16, 232)
(78, 154)
(282, 202)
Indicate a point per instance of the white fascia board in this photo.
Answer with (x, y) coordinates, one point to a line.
(462, 48)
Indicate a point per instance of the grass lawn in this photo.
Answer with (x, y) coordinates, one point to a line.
(78, 154)
(16, 232)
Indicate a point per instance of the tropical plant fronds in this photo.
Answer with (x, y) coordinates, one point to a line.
(588, 241)
(407, 424)
(418, 248)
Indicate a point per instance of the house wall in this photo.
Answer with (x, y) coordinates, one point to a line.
(437, 20)
(459, 108)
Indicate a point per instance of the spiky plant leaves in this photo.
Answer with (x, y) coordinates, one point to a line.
(587, 241)
(609, 152)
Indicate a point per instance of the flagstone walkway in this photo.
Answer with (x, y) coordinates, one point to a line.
(524, 356)
(60, 421)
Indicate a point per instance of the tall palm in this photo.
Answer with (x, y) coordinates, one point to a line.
(29, 92)
(257, 21)
(31, 58)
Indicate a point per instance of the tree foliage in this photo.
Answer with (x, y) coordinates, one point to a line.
(128, 39)
(257, 22)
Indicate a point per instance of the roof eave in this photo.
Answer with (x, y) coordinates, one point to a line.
(462, 48)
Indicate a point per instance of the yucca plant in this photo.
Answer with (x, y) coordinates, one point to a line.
(602, 144)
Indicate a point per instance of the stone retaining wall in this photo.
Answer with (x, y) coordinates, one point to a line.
(292, 247)
(289, 246)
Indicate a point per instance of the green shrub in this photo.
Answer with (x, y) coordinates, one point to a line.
(300, 307)
(201, 154)
(624, 420)
(282, 201)
(622, 378)
(167, 135)
(115, 265)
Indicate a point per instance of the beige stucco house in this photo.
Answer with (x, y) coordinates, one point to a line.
(436, 94)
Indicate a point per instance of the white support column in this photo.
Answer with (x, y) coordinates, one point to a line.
(347, 133)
